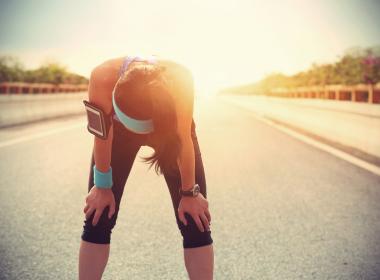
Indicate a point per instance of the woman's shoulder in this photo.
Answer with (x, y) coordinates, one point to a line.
(107, 71)
(177, 72)
(103, 78)
(180, 80)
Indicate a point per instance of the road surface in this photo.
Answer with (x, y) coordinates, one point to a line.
(281, 209)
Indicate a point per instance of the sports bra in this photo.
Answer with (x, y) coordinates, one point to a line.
(135, 125)
(129, 59)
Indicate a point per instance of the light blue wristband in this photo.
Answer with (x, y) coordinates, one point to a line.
(101, 179)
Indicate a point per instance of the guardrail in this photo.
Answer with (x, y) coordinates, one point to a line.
(355, 93)
(26, 108)
(30, 88)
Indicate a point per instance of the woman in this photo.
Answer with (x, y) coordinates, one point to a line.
(148, 101)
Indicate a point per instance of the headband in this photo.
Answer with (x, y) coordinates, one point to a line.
(135, 125)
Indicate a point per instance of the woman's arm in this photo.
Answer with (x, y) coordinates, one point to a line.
(100, 93)
(186, 163)
(184, 95)
(197, 206)
(102, 81)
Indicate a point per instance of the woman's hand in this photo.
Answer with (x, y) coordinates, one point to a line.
(197, 207)
(98, 199)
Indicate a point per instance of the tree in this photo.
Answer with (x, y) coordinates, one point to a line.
(356, 66)
(11, 70)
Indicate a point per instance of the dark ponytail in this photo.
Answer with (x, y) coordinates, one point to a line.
(164, 138)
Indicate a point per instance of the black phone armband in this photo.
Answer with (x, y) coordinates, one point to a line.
(98, 122)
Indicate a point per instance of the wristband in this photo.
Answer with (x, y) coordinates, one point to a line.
(101, 179)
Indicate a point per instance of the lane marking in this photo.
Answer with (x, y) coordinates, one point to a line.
(39, 135)
(338, 153)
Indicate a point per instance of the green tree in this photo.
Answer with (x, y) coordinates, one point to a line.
(356, 66)
(11, 69)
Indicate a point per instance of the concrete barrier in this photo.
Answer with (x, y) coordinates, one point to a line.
(355, 93)
(32, 88)
(351, 124)
(21, 109)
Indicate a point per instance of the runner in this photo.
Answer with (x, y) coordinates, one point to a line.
(139, 101)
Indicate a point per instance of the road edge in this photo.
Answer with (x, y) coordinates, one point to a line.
(350, 154)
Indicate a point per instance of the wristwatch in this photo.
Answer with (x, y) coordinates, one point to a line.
(194, 191)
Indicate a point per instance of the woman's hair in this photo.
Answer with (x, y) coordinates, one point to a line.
(143, 93)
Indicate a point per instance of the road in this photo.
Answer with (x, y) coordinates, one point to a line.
(281, 209)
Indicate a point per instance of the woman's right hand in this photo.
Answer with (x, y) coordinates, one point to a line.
(98, 199)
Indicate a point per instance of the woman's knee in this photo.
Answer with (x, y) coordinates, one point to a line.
(192, 236)
(101, 232)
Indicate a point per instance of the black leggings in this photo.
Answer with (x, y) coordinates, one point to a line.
(125, 146)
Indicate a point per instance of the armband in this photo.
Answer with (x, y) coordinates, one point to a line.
(98, 123)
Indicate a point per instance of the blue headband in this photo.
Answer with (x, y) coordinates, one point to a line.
(136, 126)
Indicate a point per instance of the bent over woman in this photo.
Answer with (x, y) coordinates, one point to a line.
(144, 101)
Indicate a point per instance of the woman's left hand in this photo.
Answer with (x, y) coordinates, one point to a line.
(197, 207)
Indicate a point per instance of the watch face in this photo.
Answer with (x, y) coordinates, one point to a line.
(193, 192)
(196, 189)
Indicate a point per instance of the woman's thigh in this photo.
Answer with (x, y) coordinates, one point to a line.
(192, 236)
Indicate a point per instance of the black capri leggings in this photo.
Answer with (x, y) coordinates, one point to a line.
(125, 146)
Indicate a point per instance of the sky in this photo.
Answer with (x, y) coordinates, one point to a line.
(223, 43)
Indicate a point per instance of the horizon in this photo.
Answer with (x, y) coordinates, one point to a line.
(286, 37)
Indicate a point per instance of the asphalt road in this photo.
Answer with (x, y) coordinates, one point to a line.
(280, 208)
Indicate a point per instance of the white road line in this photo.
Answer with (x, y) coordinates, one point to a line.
(39, 135)
(338, 153)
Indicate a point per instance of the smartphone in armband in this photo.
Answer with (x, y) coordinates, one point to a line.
(98, 123)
